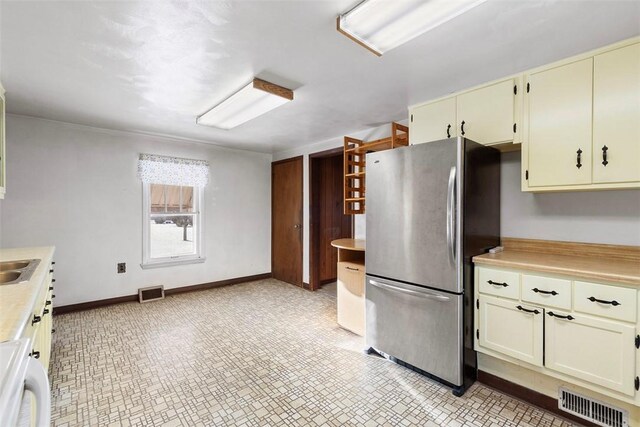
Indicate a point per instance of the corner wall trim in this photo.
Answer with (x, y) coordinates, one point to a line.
(530, 396)
(130, 298)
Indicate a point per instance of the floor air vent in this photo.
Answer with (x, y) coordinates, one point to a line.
(152, 293)
(597, 412)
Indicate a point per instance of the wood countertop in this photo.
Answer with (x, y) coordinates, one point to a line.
(349, 244)
(608, 263)
(18, 301)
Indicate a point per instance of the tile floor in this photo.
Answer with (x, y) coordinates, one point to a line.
(258, 354)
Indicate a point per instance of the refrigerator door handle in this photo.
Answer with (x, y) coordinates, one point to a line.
(451, 215)
(422, 294)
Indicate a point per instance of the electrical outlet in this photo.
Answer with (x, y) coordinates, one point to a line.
(122, 267)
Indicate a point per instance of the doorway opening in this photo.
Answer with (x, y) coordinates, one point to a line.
(326, 215)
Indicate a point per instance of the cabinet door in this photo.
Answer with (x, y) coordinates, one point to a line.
(559, 125)
(616, 115)
(488, 113)
(599, 351)
(430, 122)
(511, 328)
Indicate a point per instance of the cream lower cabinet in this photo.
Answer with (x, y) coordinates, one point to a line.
(498, 319)
(595, 350)
(589, 341)
(350, 296)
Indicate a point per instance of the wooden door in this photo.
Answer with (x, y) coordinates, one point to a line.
(594, 350)
(431, 122)
(488, 113)
(327, 218)
(286, 220)
(498, 319)
(559, 123)
(616, 115)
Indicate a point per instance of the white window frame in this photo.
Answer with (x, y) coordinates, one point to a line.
(198, 257)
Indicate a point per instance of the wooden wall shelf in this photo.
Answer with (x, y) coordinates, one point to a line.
(355, 159)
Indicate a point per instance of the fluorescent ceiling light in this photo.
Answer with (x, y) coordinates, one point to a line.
(381, 25)
(253, 100)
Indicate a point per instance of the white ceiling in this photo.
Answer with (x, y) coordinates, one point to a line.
(154, 66)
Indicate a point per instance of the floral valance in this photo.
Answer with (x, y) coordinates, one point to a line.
(154, 169)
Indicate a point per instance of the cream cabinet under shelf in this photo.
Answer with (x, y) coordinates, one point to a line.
(583, 333)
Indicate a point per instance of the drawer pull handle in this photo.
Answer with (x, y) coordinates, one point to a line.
(449, 131)
(36, 354)
(50, 288)
(51, 271)
(536, 290)
(352, 269)
(559, 316)
(462, 127)
(491, 282)
(36, 319)
(521, 308)
(601, 301)
(45, 311)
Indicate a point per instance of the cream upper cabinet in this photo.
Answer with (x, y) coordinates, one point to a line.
(499, 319)
(616, 115)
(591, 349)
(3, 174)
(559, 125)
(433, 122)
(488, 115)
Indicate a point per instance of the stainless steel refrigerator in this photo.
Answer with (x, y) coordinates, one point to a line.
(430, 208)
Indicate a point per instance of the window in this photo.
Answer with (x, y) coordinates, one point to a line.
(172, 210)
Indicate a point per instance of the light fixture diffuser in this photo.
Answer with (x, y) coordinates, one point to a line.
(382, 25)
(253, 100)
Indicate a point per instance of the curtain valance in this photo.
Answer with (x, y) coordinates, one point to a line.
(167, 170)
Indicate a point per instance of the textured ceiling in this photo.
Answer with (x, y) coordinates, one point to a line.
(154, 66)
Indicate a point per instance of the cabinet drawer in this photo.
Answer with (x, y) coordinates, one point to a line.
(546, 291)
(501, 283)
(606, 301)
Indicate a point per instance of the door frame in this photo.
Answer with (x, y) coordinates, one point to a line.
(291, 159)
(314, 232)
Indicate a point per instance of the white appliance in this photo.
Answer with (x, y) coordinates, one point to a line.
(20, 373)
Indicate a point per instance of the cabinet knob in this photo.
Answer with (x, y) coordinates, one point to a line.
(35, 354)
(36, 319)
(51, 271)
(47, 303)
(53, 296)
(45, 311)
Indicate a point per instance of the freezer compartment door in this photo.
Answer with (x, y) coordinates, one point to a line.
(413, 209)
(419, 326)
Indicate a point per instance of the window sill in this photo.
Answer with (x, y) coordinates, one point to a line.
(169, 263)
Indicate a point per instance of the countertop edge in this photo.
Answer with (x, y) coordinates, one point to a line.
(566, 271)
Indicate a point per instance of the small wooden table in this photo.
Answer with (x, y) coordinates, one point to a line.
(351, 284)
